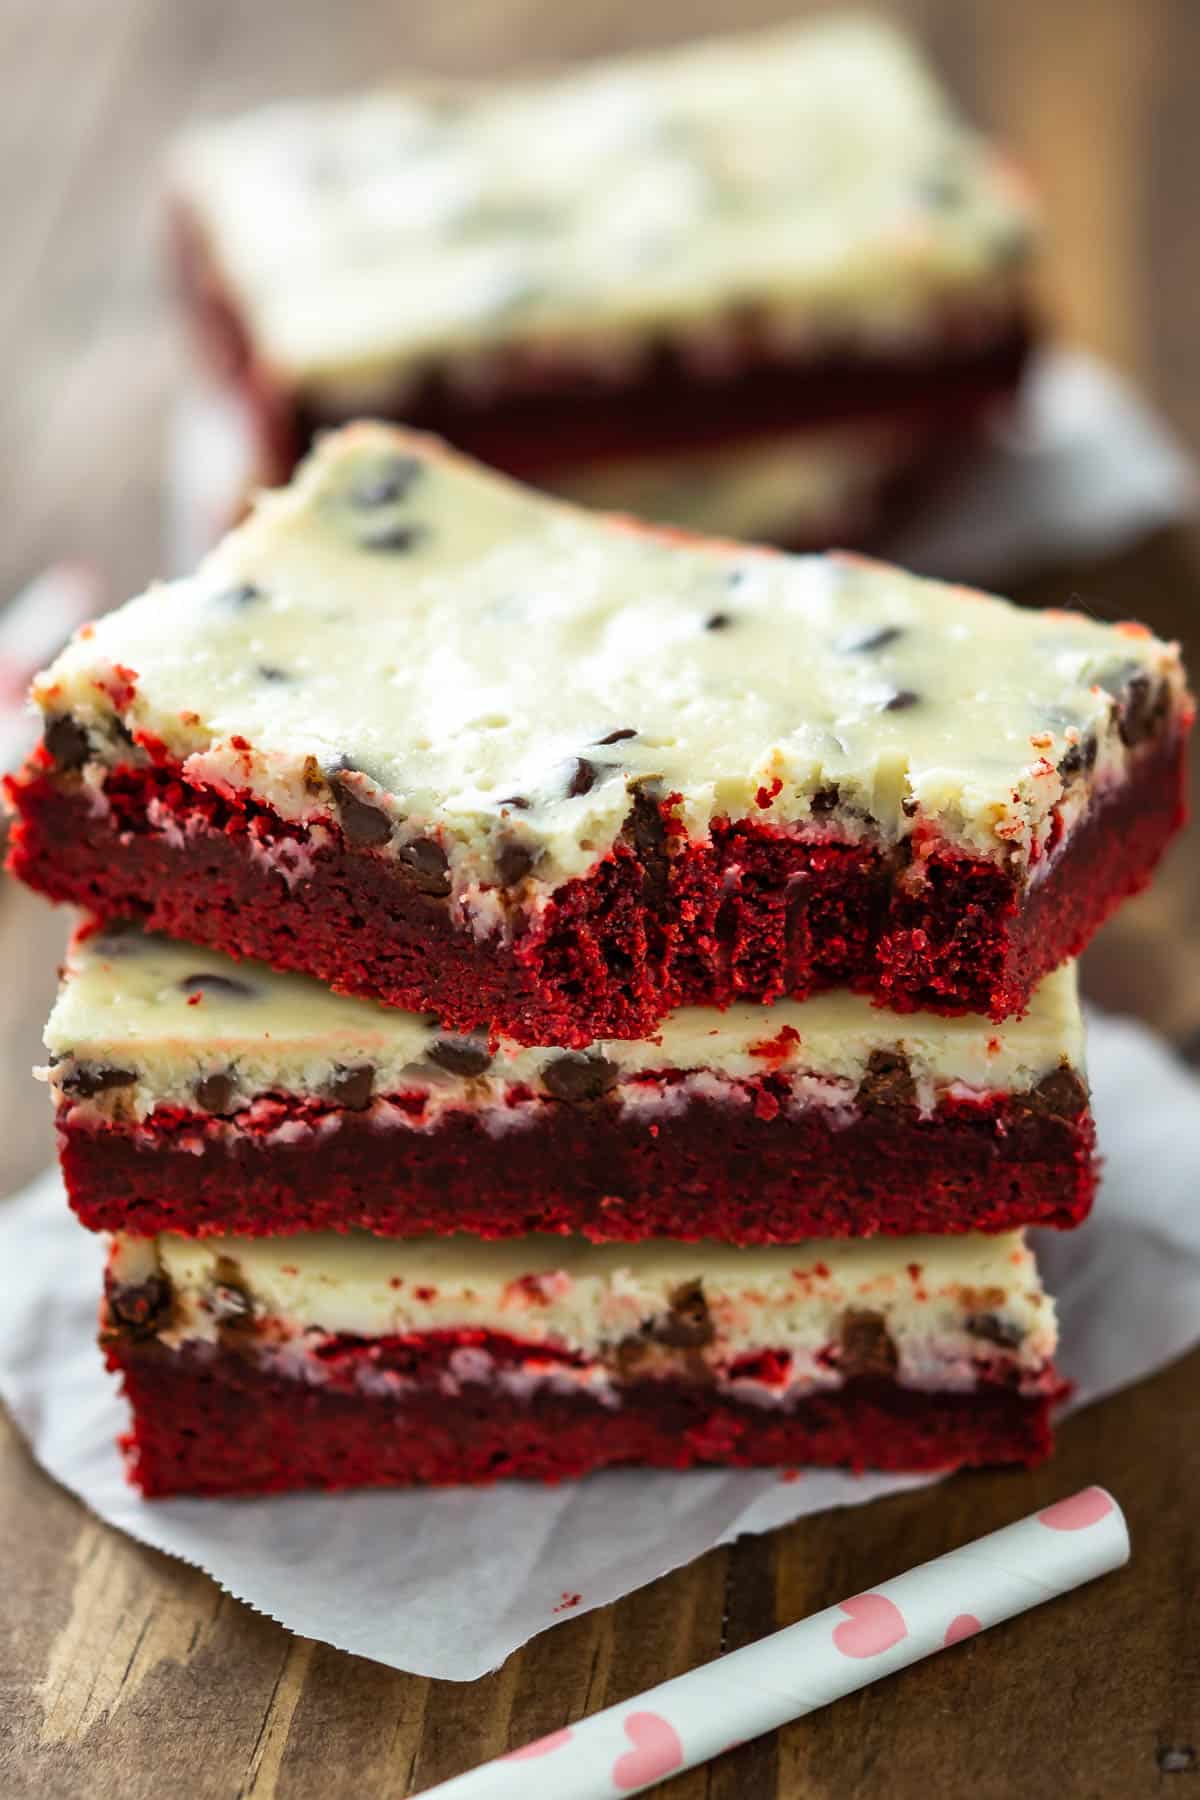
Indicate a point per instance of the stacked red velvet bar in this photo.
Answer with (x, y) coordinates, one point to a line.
(555, 806)
(769, 287)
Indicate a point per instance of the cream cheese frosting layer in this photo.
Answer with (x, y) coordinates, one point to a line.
(416, 648)
(945, 1306)
(141, 1021)
(817, 173)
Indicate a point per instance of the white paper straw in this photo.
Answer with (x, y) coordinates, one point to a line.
(686, 1721)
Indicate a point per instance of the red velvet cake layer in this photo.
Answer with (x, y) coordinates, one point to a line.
(543, 422)
(744, 1173)
(662, 922)
(218, 1424)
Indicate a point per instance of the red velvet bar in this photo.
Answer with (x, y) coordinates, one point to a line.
(750, 1171)
(217, 1423)
(662, 922)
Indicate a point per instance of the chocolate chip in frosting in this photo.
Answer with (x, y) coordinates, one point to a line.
(272, 672)
(460, 1055)
(87, 1079)
(888, 1085)
(718, 621)
(876, 640)
(901, 700)
(428, 867)
(385, 482)
(825, 799)
(227, 1300)
(365, 826)
(1078, 759)
(214, 1093)
(866, 1347)
(394, 539)
(66, 741)
(222, 987)
(141, 1308)
(1062, 1094)
(581, 778)
(617, 737)
(645, 829)
(688, 1325)
(994, 1328)
(351, 1087)
(518, 801)
(238, 598)
(514, 860)
(578, 1077)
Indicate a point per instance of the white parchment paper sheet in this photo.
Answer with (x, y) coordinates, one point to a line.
(447, 1583)
(1083, 469)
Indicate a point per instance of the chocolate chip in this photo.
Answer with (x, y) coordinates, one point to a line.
(876, 640)
(644, 827)
(239, 597)
(617, 737)
(66, 741)
(866, 1347)
(351, 1088)
(428, 866)
(688, 1325)
(86, 1079)
(718, 621)
(908, 806)
(1143, 708)
(1062, 1094)
(394, 539)
(993, 1328)
(582, 777)
(228, 1301)
(888, 1085)
(365, 826)
(514, 860)
(271, 672)
(1078, 757)
(225, 987)
(579, 1077)
(385, 482)
(825, 798)
(517, 800)
(901, 700)
(141, 1307)
(214, 1093)
(461, 1055)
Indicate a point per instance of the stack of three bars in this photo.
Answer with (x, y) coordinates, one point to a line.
(554, 805)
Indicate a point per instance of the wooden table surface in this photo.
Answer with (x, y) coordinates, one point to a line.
(124, 1674)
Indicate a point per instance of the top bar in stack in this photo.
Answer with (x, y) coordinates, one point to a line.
(748, 285)
(441, 741)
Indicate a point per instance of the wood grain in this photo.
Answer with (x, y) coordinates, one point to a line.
(124, 1674)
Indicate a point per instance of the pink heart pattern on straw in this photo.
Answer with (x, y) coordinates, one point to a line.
(656, 1752)
(1078, 1511)
(554, 1740)
(964, 1626)
(874, 1625)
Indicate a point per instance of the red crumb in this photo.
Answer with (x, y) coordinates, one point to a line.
(764, 796)
(914, 1271)
(993, 1046)
(426, 1293)
(1131, 628)
(239, 743)
(194, 999)
(778, 1048)
(566, 1601)
(791, 1475)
